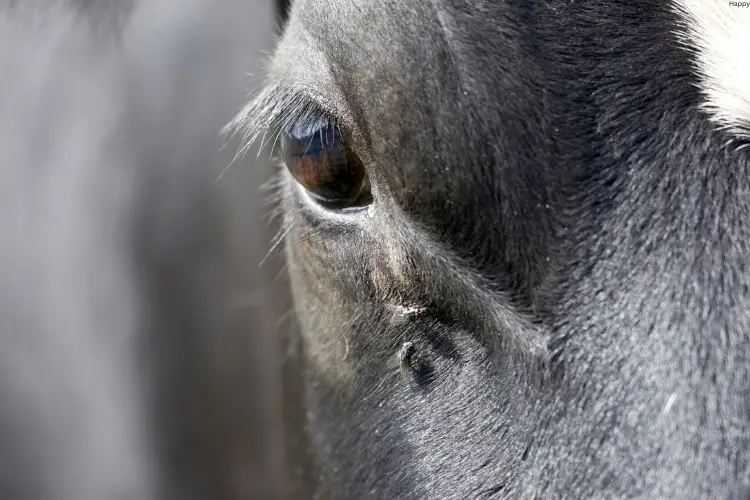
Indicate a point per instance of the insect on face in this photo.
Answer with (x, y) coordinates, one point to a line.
(405, 354)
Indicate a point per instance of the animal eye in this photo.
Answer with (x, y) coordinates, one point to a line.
(319, 159)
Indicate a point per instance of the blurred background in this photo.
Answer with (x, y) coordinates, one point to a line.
(144, 353)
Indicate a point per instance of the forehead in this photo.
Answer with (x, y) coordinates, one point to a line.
(325, 36)
(366, 58)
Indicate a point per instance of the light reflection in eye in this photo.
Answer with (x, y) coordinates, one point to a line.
(318, 158)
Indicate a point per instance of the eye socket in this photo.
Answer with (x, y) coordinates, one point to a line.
(318, 158)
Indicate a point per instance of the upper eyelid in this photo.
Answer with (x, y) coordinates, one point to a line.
(274, 110)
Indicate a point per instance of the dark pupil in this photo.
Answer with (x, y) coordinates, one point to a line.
(319, 160)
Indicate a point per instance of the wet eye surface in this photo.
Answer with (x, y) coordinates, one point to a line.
(319, 159)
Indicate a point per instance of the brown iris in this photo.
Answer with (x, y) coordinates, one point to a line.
(319, 159)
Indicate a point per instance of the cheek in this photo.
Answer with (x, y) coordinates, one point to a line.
(321, 318)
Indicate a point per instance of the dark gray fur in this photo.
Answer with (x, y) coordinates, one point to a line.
(576, 230)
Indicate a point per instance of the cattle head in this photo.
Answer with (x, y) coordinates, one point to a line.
(517, 235)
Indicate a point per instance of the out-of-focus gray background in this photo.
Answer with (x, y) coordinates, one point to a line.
(143, 352)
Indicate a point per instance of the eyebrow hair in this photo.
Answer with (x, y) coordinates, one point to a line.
(274, 110)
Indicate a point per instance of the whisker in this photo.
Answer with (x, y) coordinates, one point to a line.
(275, 242)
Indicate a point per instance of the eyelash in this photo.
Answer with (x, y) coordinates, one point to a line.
(275, 111)
(308, 120)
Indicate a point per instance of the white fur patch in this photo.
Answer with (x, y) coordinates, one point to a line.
(718, 32)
